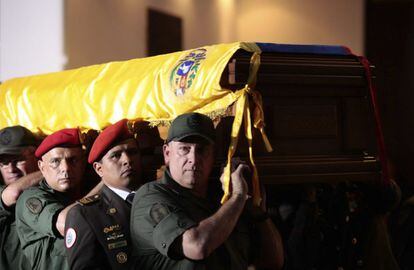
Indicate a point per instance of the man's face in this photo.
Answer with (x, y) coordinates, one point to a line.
(190, 163)
(12, 167)
(121, 165)
(63, 168)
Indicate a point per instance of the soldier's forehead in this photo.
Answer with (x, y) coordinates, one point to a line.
(63, 152)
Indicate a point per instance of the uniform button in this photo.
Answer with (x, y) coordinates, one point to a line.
(347, 219)
(360, 263)
(338, 248)
(354, 241)
(164, 245)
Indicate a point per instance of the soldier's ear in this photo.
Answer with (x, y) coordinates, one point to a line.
(40, 164)
(166, 151)
(97, 166)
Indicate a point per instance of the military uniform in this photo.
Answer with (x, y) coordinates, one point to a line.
(163, 211)
(343, 229)
(97, 232)
(10, 251)
(37, 210)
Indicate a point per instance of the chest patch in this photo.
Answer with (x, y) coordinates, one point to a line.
(158, 212)
(121, 257)
(34, 205)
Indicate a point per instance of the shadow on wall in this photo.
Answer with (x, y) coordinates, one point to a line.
(100, 31)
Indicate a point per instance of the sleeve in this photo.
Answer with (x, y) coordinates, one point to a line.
(3, 207)
(159, 220)
(5, 212)
(38, 210)
(80, 242)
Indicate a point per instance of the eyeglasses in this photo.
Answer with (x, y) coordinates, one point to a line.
(12, 162)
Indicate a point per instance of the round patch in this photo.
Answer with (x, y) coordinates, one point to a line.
(70, 238)
(34, 205)
(5, 137)
(121, 257)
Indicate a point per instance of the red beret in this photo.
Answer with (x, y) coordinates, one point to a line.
(65, 137)
(111, 135)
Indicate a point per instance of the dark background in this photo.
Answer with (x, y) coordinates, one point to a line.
(389, 39)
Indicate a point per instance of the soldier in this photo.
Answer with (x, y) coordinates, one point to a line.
(174, 225)
(17, 167)
(41, 211)
(97, 230)
(17, 146)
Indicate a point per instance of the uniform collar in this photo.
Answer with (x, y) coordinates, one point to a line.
(43, 184)
(182, 191)
(120, 192)
(171, 183)
(63, 196)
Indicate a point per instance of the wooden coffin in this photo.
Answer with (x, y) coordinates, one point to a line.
(319, 118)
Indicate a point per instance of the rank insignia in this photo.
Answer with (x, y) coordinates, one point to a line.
(89, 200)
(34, 205)
(121, 257)
(70, 238)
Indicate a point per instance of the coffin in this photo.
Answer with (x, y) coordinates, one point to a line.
(318, 111)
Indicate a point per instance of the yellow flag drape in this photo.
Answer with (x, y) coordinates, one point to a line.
(154, 89)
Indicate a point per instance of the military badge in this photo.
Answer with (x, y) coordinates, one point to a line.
(70, 238)
(5, 137)
(34, 205)
(112, 228)
(158, 212)
(184, 73)
(111, 211)
(118, 244)
(121, 257)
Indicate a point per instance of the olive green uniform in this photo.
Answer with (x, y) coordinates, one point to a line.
(10, 251)
(37, 210)
(162, 211)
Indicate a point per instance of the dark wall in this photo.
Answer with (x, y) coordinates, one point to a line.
(390, 47)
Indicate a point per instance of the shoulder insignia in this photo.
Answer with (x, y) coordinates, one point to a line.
(89, 200)
(158, 212)
(34, 205)
(70, 238)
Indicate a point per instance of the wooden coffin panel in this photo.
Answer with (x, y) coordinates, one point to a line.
(319, 118)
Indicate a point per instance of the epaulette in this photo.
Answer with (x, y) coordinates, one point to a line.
(89, 200)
